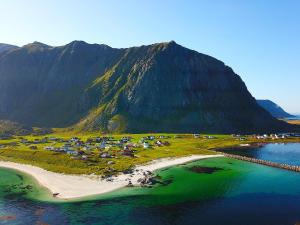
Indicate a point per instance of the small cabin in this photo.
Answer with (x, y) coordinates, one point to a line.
(33, 147)
(72, 152)
(196, 135)
(146, 145)
(105, 155)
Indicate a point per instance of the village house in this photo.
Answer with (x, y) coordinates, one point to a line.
(36, 141)
(166, 143)
(158, 143)
(196, 135)
(90, 141)
(24, 141)
(80, 152)
(151, 138)
(108, 147)
(58, 150)
(131, 145)
(98, 139)
(210, 137)
(49, 148)
(67, 145)
(74, 139)
(146, 144)
(33, 147)
(105, 155)
(52, 138)
(126, 147)
(87, 148)
(84, 157)
(79, 143)
(67, 148)
(110, 162)
(163, 137)
(102, 145)
(71, 152)
(125, 139)
(128, 152)
(265, 136)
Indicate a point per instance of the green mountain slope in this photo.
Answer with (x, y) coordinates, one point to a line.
(155, 88)
(12, 128)
(42, 85)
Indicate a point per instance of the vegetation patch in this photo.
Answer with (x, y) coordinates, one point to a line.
(204, 169)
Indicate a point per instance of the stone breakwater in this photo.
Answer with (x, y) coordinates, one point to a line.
(264, 162)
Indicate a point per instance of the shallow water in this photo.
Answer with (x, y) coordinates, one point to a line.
(281, 153)
(295, 117)
(237, 193)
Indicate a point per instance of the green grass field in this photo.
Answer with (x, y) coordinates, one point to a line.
(180, 145)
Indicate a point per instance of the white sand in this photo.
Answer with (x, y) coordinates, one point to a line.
(76, 186)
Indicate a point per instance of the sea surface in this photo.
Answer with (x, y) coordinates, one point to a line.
(281, 153)
(213, 191)
(295, 117)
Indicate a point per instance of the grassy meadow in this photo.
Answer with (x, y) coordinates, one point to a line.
(297, 122)
(178, 145)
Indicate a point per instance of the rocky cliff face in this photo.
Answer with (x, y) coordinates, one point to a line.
(42, 86)
(156, 88)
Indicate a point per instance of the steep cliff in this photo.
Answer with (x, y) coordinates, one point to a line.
(162, 87)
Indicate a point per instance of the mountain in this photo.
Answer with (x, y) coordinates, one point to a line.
(162, 87)
(6, 47)
(274, 109)
(12, 128)
(43, 86)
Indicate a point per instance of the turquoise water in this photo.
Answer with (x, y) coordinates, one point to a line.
(281, 153)
(236, 192)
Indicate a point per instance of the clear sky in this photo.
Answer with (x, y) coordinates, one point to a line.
(259, 39)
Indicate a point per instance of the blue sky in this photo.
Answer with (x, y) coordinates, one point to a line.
(259, 39)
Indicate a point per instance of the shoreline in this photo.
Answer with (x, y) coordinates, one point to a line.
(78, 186)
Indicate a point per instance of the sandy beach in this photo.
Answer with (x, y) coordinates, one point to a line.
(77, 186)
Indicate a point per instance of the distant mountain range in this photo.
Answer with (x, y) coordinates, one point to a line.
(6, 47)
(162, 87)
(274, 109)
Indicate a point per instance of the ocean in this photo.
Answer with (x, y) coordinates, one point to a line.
(211, 191)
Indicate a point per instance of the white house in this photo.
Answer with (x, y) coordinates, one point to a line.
(146, 145)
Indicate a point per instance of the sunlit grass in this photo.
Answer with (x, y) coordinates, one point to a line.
(180, 145)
